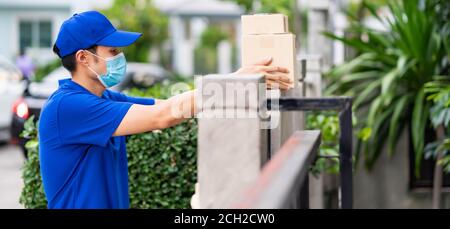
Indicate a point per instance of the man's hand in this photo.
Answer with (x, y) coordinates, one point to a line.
(276, 77)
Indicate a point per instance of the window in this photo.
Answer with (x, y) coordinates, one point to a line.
(35, 34)
(45, 34)
(25, 35)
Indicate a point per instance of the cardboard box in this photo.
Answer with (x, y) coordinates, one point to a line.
(281, 47)
(264, 24)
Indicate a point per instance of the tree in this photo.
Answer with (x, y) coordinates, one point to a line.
(139, 16)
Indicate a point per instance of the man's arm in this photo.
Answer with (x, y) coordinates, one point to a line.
(167, 113)
(157, 101)
(164, 114)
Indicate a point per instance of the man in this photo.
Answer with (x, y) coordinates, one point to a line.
(82, 125)
(25, 65)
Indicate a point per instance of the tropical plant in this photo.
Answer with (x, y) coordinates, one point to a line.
(388, 75)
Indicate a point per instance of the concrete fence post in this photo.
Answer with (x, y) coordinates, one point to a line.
(231, 143)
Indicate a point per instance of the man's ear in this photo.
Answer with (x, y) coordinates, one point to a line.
(81, 57)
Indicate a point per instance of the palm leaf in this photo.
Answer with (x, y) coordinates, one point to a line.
(395, 126)
(419, 120)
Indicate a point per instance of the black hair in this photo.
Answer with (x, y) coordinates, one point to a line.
(69, 62)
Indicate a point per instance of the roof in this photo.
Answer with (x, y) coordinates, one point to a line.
(205, 8)
(35, 4)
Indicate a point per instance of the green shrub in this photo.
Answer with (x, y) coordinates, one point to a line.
(164, 175)
(162, 167)
(328, 124)
(161, 164)
(32, 195)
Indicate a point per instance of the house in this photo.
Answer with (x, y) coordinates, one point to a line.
(32, 26)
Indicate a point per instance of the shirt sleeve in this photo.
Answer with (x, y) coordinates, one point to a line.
(88, 119)
(125, 98)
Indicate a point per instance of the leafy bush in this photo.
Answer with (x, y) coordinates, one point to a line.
(161, 164)
(32, 195)
(162, 167)
(328, 124)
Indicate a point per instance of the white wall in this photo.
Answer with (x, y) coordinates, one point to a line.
(387, 184)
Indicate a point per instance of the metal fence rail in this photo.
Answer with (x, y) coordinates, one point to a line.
(344, 106)
(284, 178)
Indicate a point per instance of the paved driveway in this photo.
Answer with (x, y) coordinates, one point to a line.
(11, 160)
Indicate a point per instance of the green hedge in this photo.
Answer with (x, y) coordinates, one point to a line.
(328, 124)
(161, 164)
(162, 167)
(33, 191)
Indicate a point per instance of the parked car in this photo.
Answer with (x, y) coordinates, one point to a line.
(139, 75)
(11, 88)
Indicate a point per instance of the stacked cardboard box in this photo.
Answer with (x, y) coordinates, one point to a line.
(267, 35)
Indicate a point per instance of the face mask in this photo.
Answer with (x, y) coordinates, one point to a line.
(116, 67)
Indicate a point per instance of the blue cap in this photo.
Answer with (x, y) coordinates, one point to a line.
(90, 28)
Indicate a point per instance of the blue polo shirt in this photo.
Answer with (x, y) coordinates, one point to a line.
(82, 165)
